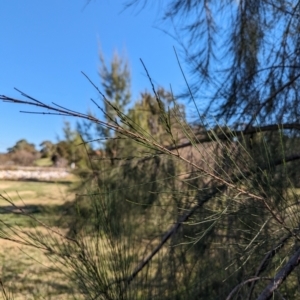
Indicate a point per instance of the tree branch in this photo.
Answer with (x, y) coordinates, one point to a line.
(173, 230)
(210, 135)
(265, 262)
(280, 276)
(254, 279)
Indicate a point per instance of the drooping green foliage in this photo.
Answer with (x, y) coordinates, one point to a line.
(244, 56)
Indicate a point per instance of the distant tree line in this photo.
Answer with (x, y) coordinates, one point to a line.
(63, 153)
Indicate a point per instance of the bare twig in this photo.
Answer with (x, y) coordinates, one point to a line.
(207, 136)
(254, 279)
(3, 290)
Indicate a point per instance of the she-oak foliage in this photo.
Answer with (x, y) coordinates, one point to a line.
(189, 211)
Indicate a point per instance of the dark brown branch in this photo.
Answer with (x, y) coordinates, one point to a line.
(254, 279)
(210, 135)
(185, 217)
(281, 276)
(3, 290)
(267, 259)
(173, 230)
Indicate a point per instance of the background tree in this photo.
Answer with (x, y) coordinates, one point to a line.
(22, 153)
(22, 145)
(115, 81)
(71, 148)
(47, 149)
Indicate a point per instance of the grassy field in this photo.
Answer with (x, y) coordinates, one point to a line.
(27, 273)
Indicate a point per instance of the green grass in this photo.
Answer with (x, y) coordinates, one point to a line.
(35, 193)
(43, 162)
(44, 200)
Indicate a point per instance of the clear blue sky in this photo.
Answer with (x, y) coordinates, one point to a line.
(44, 45)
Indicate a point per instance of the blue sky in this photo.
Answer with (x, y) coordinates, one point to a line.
(44, 46)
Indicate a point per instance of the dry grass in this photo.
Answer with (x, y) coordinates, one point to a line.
(28, 273)
(35, 193)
